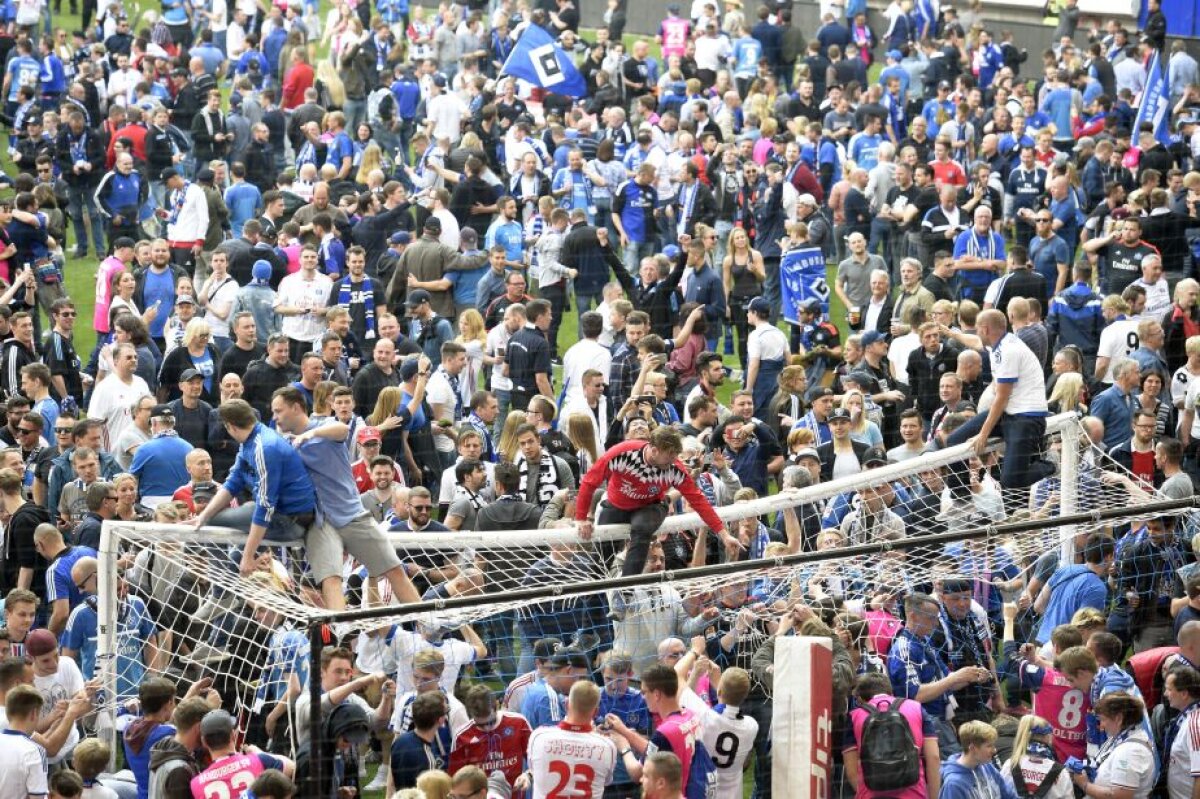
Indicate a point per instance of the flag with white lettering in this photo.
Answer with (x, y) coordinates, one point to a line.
(536, 58)
(1155, 104)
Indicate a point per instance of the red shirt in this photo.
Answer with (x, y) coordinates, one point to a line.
(136, 134)
(500, 749)
(296, 81)
(948, 173)
(633, 483)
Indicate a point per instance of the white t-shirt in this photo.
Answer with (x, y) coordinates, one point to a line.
(581, 356)
(1117, 340)
(1184, 763)
(60, 687)
(313, 295)
(446, 112)
(729, 738)
(1034, 771)
(398, 658)
(220, 294)
(1013, 362)
(439, 392)
(112, 401)
(898, 352)
(570, 761)
(766, 343)
(1131, 765)
(1158, 298)
(1191, 399)
(712, 52)
(22, 766)
(1181, 381)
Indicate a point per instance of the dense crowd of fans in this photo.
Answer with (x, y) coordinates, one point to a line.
(330, 304)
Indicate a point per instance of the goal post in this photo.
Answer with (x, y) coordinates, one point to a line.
(239, 630)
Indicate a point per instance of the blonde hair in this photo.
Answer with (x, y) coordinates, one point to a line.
(435, 784)
(196, 327)
(470, 327)
(581, 434)
(861, 426)
(386, 405)
(507, 446)
(372, 159)
(1025, 734)
(1068, 390)
(327, 74)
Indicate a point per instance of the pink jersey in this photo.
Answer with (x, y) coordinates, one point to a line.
(678, 733)
(570, 762)
(1066, 709)
(674, 32)
(104, 275)
(915, 717)
(227, 778)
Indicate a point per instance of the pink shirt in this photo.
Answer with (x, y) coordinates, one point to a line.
(916, 717)
(104, 275)
(227, 778)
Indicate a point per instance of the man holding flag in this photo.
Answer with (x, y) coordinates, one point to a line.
(537, 59)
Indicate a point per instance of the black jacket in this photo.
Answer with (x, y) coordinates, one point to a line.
(925, 374)
(93, 151)
(659, 299)
(704, 209)
(260, 381)
(827, 456)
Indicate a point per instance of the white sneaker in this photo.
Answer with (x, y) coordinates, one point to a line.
(379, 783)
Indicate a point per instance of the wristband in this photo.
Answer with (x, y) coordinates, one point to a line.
(627, 751)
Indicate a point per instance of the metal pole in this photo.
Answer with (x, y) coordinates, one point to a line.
(106, 628)
(1069, 459)
(316, 787)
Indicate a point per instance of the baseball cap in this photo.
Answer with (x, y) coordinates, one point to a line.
(206, 175)
(872, 336)
(875, 456)
(544, 648)
(760, 306)
(1084, 142)
(185, 299)
(807, 199)
(216, 722)
(369, 434)
(408, 369)
(807, 452)
(416, 297)
(40, 642)
(400, 237)
(434, 225)
(671, 251)
(944, 84)
(468, 236)
(162, 412)
(190, 374)
(439, 81)
(896, 55)
(839, 414)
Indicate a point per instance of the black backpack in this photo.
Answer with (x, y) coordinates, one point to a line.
(1050, 780)
(888, 753)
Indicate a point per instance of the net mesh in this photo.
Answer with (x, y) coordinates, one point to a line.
(250, 634)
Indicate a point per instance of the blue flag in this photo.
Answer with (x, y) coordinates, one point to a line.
(1155, 105)
(802, 277)
(537, 59)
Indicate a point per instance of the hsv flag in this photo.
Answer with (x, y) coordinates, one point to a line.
(537, 59)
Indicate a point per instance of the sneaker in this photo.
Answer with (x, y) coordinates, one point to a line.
(379, 783)
(78, 253)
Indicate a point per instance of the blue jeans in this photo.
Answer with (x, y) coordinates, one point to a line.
(80, 199)
(634, 253)
(283, 529)
(1023, 463)
(771, 287)
(504, 400)
(356, 112)
(723, 228)
(497, 632)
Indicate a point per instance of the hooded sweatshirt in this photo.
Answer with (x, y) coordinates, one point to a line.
(140, 737)
(981, 782)
(1071, 588)
(172, 767)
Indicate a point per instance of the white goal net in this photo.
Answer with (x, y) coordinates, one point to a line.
(848, 542)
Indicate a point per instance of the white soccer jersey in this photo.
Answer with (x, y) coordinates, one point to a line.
(1116, 341)
(22, 766)
(729, 738)
(570, 762)
(1013, 362)
(405, 644)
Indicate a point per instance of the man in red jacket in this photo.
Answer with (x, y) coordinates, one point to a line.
(639, 474)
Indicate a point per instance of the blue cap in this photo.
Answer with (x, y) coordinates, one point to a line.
(400, 237)
(895, 55)
(760, 306)
(671, 251)
(262, 271)
(872, 336)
